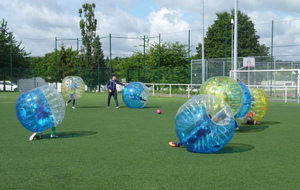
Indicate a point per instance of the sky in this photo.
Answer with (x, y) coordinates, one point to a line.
(36, 23)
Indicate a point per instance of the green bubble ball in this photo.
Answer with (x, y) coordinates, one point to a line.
(225, 88)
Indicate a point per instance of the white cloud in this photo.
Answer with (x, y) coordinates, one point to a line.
(286, 32)
(37, 22)
(167, 20)
(286, 37)
(170, 24)
(120, 22)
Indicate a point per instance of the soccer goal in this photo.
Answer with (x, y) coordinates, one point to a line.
(279, 85)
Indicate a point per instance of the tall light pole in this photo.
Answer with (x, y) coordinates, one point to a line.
(110, 56)
(10, 61)
(235, 38)
(232, 22)
(203, 61)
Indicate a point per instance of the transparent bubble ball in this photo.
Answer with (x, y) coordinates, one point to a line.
(204, 124)
(40, 109)
(135, 95)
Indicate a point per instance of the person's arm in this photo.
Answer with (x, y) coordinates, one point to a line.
(108, 85)
(120, 83)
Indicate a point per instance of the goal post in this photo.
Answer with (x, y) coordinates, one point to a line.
(281, 84)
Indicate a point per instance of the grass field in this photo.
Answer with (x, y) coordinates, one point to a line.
(101, 148)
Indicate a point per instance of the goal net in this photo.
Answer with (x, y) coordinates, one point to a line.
(279, 85)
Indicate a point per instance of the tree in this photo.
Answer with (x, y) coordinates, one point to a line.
(45, 67)
(67, 62)
(217, 43)
(11, 52)
(165, 62)
(94, 57)
(98, 52)
(91, 42)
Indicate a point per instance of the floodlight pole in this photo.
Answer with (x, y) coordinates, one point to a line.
(232, 22)
(159, 52)
(10, 60)
(56, 63)
(272, 38)
(98, 64)
(203, 61)
(189, 54)
(235, 39)
(298, 86)
(77, 57)
(144, 57)
(110, 56)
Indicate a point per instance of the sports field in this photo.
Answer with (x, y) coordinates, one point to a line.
(109, 148)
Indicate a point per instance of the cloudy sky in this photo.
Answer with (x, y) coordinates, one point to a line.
(37, 22)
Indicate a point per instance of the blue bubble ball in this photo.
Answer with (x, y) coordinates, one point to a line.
(135, 95)
(40, 109)
(246, 101)
(204, 124)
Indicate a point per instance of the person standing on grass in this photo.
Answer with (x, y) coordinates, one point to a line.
(112, 90)
(73, 87)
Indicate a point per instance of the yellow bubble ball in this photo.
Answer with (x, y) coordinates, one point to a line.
(259, 104)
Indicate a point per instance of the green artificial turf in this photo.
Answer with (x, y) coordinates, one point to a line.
(109, 148)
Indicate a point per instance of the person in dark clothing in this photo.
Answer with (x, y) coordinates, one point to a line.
(112, 90)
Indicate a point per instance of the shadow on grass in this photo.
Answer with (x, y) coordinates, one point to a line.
(230, 148)
(244, 128)
(90, 107)
(251, 128)
(147, 107)
(70, 134)
(235, 148)
(270, 122)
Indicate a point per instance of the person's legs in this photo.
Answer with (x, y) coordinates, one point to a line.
(36, 135)
(53, 133)
(73, 106)
(201, 133)
(67, 103)
(71, 97)
(195, 137)
(116, 98)
(174, 144)
(256, 122)
(39, 135)
(32, 136)
(249, 122)
(236, 125)
(142, 100)
(109, 97)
